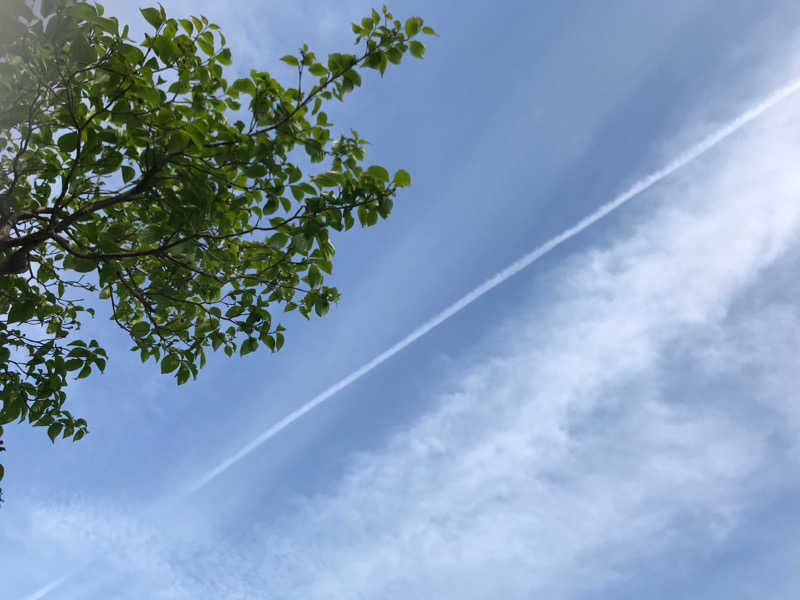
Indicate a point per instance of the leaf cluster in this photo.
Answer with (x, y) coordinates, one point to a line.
(140, 173)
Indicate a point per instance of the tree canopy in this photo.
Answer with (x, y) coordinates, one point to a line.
(138, 172)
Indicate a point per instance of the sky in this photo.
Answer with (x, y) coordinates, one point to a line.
(617, 420)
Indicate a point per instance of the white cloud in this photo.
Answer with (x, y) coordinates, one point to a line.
(567, 456)
(649, 408)
(587, 441)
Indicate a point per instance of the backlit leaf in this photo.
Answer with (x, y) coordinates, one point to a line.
(153, 16)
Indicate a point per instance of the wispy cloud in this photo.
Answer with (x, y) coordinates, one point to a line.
(522, 263)
(641, 417)
(579, 449)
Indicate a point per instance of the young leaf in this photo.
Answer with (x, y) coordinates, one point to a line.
(21, 311)
(412, 26)
(224, 57)
(379, 173)
(314, 276)
(183, 374)
(140, 329)
(328, 179)
(205, 44)
(169, 363)
(53, 431)
(248, 346)
(153, 16)
(402, 178)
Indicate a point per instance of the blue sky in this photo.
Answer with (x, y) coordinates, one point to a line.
(616, 421)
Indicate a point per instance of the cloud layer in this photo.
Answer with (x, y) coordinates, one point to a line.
(640, 411)
(595, 438)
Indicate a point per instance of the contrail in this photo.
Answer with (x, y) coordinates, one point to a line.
(42, 592)
(643, 184)
(511, 270)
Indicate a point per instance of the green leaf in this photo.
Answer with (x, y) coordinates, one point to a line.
(255, 171)
(81, 265)
(417, 49)
(170, 29)
(402, 178)
(68, 142)
(178, 142)
(269, 341)
(53, 431)
(205, 44)
(183, 374)
(224, 57)
(128, 173)
(429, 31)
(82, 52)
(385, 206)
(153, 16)
(73, 364)
(21, 311)
(318, 69)
(248, 346)
(314, 276)
(378, 172)
(394, 55)
(108, 25)
(298, 192)
(140, 329)
(290, 60)
(234, 311)
(82, 12)
(301, 243)
(244, 85)
(328, 179)
(169, 363)
(412, 26)
(321, 307)
(278, 240)
(270, 206)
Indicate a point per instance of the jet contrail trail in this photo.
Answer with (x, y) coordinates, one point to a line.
(42, 592)
(514, 268)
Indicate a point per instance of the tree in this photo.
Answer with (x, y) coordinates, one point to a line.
(139, 172)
